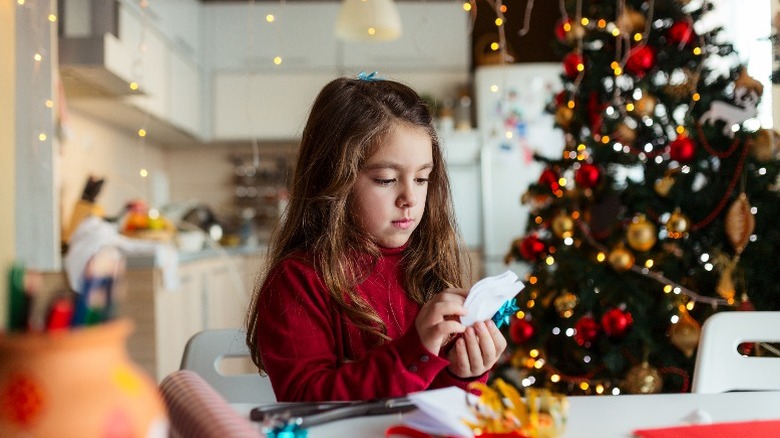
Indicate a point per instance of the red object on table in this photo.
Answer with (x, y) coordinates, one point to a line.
(717, 430)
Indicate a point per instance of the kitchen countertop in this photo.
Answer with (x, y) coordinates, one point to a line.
(156, 259)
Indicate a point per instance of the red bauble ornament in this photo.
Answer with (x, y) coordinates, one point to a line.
(531, 247)
(587, 176)
(641, 60)
(586, 330)
(520, 331)
(550, 179)
(682, 149)
(681, 32)
(571, 63)
(616, 322)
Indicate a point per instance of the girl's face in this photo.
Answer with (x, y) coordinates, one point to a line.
(390, 192)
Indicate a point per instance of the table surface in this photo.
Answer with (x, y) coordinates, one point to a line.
(607, 416)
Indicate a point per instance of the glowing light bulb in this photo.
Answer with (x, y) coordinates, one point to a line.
(49, 103)
(467, 6)
(270, 18)
(37, 57)
(142, 132)
(499, 22)
(42, 136)
(494, 46)
(143, 173)
(134, 86)
(278, 60)
(494, 88)
(371, 31)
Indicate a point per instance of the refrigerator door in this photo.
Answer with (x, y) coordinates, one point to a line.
(512, 121)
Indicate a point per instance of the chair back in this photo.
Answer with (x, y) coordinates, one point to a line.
(719, 365)
(204, 354)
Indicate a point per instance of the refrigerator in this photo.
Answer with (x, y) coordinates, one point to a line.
(512, 125)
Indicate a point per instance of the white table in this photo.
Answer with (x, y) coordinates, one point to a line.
(607, 416)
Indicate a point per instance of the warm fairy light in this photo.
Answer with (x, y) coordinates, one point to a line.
(599, 389)
(558, 193)
(615, 32)
(677, 290)
(49, 103)
(584, 386)
(649, 263)
(494, 88)
(570, 104)
(697, 50)
(371, 31)
(581, 147)
(530, 304)
(499, 22)
(674, 319)
(37, 57)
(42, 136)
(582, 156)
(567, 26)
(637, 37)
(533, 279)
(533, 294)
(20, 2)
(605, 139)
(549, 260)
(520, 314)
(52, 18)
(270, 18)
(503, 8)
(667, 288)
(616, 391)
(555, 378)
(142, 132)
(567, 314)
(618, 71)
(562, 182)
(696, 97)
(538, 220)
(730, 301)
(690, 305)
(602, 23)
(580, 67)
(467, 6)
(277, 60)
(539, 364)
(508, 134)
(614, 65)
(134, 86)
(584, 21)
(680, 129)
(601, 256)
(143, 173)
(494, 46)
(629, 107)
(575, 215)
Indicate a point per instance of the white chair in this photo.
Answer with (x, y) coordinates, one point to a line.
(205, 353)
(721, 368)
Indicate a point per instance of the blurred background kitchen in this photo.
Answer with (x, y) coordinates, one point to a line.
(190, 112)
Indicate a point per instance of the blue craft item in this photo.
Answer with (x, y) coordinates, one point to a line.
(505, 313)
(369, 77)
(289, 430)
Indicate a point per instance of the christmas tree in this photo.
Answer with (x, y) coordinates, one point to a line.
(659, 212)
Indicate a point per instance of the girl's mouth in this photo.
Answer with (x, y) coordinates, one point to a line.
(403, 224)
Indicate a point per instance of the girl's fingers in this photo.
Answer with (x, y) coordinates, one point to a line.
(498, 339)
(473, 349)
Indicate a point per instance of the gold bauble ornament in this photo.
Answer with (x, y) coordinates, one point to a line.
(725, 287)
(565, 303)
(678, 224)
(664, 185)
(685, 333)
(563, 116)
(621, 259)
(739, 223)
(563, 225)
(625, 134)
(764, 146)
(643, 379)
(641, 234)
(645, 105)
(631, 21)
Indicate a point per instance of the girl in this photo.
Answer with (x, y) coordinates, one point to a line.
(362, 291)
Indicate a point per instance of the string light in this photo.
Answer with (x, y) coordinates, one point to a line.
(270, 18)
(278, 60)
(467, 6)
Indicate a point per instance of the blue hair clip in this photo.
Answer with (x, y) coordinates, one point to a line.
(369, 77)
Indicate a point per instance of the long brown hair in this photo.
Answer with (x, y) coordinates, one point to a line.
(349, 119)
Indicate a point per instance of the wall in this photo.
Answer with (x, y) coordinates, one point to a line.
(7, 142)
(95, 148)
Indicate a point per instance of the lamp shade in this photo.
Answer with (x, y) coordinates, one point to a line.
(368, 20)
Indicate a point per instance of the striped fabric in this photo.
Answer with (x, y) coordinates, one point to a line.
(197, 411)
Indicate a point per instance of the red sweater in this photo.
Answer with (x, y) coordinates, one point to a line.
(312, 352)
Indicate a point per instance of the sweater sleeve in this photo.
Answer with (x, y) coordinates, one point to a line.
(300, 343)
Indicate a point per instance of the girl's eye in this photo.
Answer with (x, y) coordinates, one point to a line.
(421, 181)
(384, 182)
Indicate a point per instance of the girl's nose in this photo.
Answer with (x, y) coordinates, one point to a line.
(407, 198)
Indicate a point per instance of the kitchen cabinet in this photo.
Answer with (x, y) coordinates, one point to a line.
(213, 292)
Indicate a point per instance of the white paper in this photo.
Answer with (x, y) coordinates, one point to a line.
(442, 412)
(488, 295)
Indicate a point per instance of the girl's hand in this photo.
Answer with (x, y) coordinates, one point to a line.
(435, 323)
(477, 350)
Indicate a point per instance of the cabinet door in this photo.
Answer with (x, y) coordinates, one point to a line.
(185, 94)
(227, 295)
